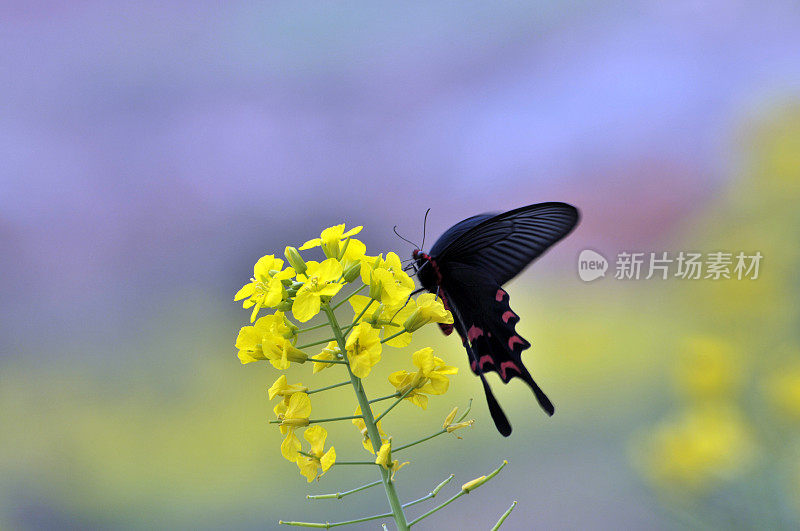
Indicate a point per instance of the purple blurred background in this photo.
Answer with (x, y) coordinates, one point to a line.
(150, 153)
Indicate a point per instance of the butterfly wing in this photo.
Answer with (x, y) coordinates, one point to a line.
(503, 245)
(486, 324)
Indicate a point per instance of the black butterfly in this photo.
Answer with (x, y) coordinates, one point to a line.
(467, 266)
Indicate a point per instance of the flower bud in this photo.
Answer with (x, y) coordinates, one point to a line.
(294, 354)
(415, 321)
(375, 289)
(296, 261)
(284, 306)
(352, 272)
(474, 484)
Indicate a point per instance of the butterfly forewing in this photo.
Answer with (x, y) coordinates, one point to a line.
(503, 245)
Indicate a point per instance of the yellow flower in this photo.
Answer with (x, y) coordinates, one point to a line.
(265, 288)
(362, 426)
(387, 318)
(429, 310)
(322, 280)
(269, 339)
(363, 349)
(292, 416)
(430, 378)
(330, 240)
(282, 388)
(392, 264)
(330, 352)
(701, 447)
(387, 281)
(783, 390)
(310, 465)
(708, 368)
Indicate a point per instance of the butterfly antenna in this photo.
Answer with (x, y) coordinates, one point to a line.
(424, 227)
(404, 239)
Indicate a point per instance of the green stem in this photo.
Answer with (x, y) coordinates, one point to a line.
(440, 432)
(310, 328)
(315, 343)
(340, 495)
(395, 450)
(340, 384)
(334, 362)
(464, 415)
(461, 493)
(356, 292)
(346, 329)
(328, 525)
(387, 397)
(503, 518)
(442, 506)
(317, 421)
(369, 421)
(388, 409)
(400, 333)
(431, 494)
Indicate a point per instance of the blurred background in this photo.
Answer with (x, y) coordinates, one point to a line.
(152, 152)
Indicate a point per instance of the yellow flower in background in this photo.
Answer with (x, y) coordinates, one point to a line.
(282, 388)
(709, 368)
(430, 378)
(310, 465)
(362, 427)
(363, 349)
(330, 352)
(783, 391)
(330, 240)
(265, 288)
(388, 318)
(429, 309)
(702, 447)
(292, 415)
(322, 280)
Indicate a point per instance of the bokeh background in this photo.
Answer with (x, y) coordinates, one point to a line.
(151, 152)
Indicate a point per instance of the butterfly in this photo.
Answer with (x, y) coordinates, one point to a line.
(467, 267)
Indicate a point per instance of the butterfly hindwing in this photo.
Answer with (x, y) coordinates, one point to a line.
(486, 325)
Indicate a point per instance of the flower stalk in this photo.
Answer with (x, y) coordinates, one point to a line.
(384, 319)
(371, 424)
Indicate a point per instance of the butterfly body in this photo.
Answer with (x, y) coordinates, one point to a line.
(467, 267)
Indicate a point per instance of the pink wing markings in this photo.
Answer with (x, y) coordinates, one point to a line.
(474, 333)
(513, 340)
